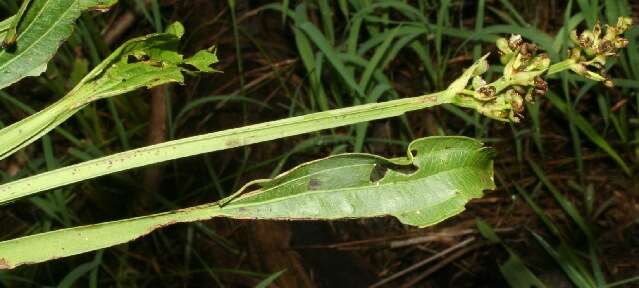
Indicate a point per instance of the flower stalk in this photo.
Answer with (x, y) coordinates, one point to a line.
(502, 99)
(524, 68)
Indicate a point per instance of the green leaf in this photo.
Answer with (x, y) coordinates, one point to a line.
(449, 171)
(210, 142)
(141, 62)
(569, 262)
(202, 60)
(176, 29)
(41, 31)
(517, 274)
(231, 138)
(434, 182)
(514, 270)
(270, 279)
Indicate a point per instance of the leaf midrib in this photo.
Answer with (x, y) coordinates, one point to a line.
(339, 190)
(250, 194)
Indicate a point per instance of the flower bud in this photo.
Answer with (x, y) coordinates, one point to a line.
(579, 68)
(520, 62)
(478, 82)
(606, 48)
(623, 23)
(586, 39)
(502, 45)
(621, 43)
(596, 30)
(539, 63)
(540, 87)
(515, 41)
(573, 37)
(505, 53)
(482, 67)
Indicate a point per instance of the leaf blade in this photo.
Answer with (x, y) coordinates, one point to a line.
(46, 24)
(355, 190)
(145, 61)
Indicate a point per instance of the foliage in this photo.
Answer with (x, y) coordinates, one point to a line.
(434, 182)
(153, 60)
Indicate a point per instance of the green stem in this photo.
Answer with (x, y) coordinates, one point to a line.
(561, 66)
(215, 142)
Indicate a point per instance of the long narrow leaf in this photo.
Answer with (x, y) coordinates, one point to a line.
(585, 127)
(235, 138)
(433, 182)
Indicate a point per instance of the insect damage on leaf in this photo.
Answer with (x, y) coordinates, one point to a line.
(146, 61)
(421, 189)
(32, 36)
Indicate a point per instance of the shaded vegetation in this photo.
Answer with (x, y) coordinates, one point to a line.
(566, 202)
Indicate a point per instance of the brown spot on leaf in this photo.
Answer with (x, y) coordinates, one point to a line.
(232, 143)
(4, 264)
(430, 99)
(314, 184)
(158, 226)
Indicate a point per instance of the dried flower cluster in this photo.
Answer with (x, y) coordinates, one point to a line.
(594, 47)
(524, 67)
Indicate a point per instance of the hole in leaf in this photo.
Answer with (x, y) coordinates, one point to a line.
(132, 58)
(11, 48)
(379, 171)
(408, 169)
(189, 67)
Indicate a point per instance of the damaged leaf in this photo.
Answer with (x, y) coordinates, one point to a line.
(146, 61)
(40, 32)
(432, 183)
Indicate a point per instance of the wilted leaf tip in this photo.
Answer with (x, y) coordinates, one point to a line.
(203, 60)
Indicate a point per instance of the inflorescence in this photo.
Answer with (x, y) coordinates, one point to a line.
(525, 65)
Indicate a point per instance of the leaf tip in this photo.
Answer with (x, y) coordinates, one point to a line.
(203, 60)
(176, 28)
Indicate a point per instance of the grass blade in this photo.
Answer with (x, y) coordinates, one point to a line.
(582, 124)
